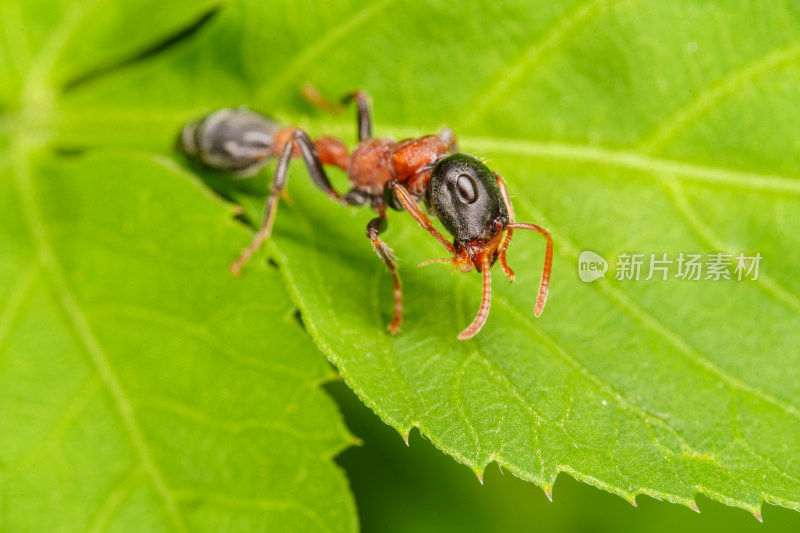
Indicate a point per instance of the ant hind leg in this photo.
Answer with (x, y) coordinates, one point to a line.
(311, 158)
(278, 183)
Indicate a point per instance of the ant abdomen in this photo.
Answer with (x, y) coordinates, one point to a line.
(231, 140)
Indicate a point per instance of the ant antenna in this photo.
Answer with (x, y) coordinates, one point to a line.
(544, 285)
(486, 301)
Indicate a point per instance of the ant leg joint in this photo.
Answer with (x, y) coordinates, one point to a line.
(355, 197)
(374, 228)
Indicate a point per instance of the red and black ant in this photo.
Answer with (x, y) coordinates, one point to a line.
(470, 201)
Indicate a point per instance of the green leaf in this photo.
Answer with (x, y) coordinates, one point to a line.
(417, 488)
(631, 126)
(142, 387)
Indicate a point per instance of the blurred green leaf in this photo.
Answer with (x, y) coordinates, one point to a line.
(630, 126)
(141, 387)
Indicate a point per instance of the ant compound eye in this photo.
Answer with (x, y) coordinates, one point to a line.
(467, 192)
(234, 140)
(466, 198)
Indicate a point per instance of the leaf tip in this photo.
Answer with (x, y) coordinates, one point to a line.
(632, 501)
(405, 438)
(480, 476)
(694, 507)
(757, 514)
(548, 491)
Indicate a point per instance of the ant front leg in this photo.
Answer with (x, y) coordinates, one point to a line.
(318, 176)
(502, 250)
(409, 204)
(374, 228)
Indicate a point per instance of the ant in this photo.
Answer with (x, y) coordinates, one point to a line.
(470, 201)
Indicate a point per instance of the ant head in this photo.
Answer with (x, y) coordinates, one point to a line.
(467, 200)
(236, 140)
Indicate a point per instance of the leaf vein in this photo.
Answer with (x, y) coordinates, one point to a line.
(564, 355)
(767, 283)
(654, 324)
(334, 34)
(235, 427)
(63, 422)
(712, 95)
(15, 301)
(552, 37)
(182, 324)
(459, 398)
(37, 79)
(225, 500)
(114, 500)
(741, 439)
(80, 325)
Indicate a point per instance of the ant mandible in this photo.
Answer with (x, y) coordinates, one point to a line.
(471, 202)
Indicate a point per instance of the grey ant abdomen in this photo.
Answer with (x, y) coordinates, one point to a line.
(232, 140)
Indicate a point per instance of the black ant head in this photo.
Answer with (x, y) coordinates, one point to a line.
(467, 200)
(234, 140)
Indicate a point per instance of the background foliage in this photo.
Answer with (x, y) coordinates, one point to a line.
(621, 126)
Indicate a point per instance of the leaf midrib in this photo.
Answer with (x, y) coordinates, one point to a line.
(632, 159)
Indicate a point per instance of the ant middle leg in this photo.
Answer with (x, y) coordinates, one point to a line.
(311, 158)
(374, 228)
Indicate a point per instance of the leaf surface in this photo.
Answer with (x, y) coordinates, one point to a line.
(142, 388)
(624, 127)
